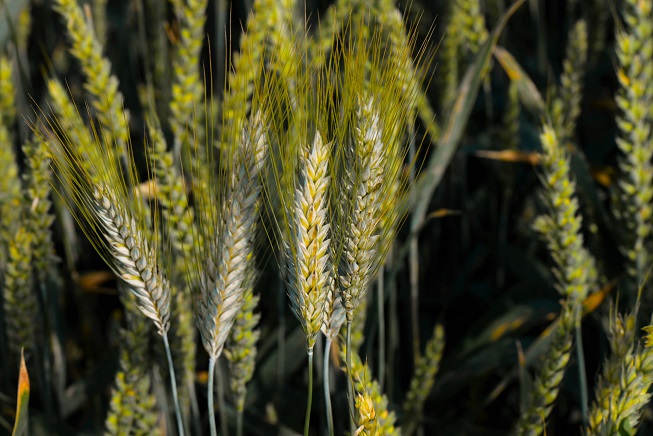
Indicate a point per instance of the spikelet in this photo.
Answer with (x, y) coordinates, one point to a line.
(308, 265)
(566, 106)
(634, 206)
(39, 217)
(241, 348)
(20, 303)
(100, 83)
(229, 238)
(426, 368)
(544, 391)
(366, 420)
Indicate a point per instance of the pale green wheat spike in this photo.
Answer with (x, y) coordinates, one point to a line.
(240, 350)
(38, 204)
(187, 103)
(360, 249)
(20, 303)
(7, 99)
(10, 192)
(366, 386)
(229, 267)
(245, 76)
(624, 411)
(426, 368)
(566, 105)
(330, 25)
(70, 121)
(448, 65)
(132, 408)
(100, 83)
(171, 194)
(546, 385)
(634, 208)
(10, 186)
(471, 23)
(621, 332)
(574, 267)
(405, 75)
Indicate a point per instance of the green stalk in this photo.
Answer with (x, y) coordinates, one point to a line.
(327, 393)
(212, 428)
(582, 376)
(173, 382)
(350, 386)
(381, 309)
(239, 423)
(309, 402)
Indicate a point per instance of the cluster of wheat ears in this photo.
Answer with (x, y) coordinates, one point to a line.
(310, 156)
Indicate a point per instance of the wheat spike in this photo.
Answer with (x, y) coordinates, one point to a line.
(134, 259)
(634, 208)
(100, 83)
(229, 268)
(426, 368)
(37, 193)
(308, 265)
(132, 408)
(20, 304)
(241, 348)
(360, 256)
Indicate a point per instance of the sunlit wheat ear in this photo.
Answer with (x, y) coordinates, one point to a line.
(307, 260)
(229, 265)
(360, 250)
(135, 261)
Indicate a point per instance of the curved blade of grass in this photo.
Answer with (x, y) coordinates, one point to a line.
(528, 93)
(455, 126)
(20, 426)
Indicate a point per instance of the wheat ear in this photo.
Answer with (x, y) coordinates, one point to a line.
(634, 207)
(230, 268)
(20, 303)
(100, 83)
(241, 352)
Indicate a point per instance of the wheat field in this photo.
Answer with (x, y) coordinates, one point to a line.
(326, 217)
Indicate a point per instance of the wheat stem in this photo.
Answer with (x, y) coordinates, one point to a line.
(213, 430)
(173, 384)
(380, 287)
(327, 390)
(350, 386)
(309, 402)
